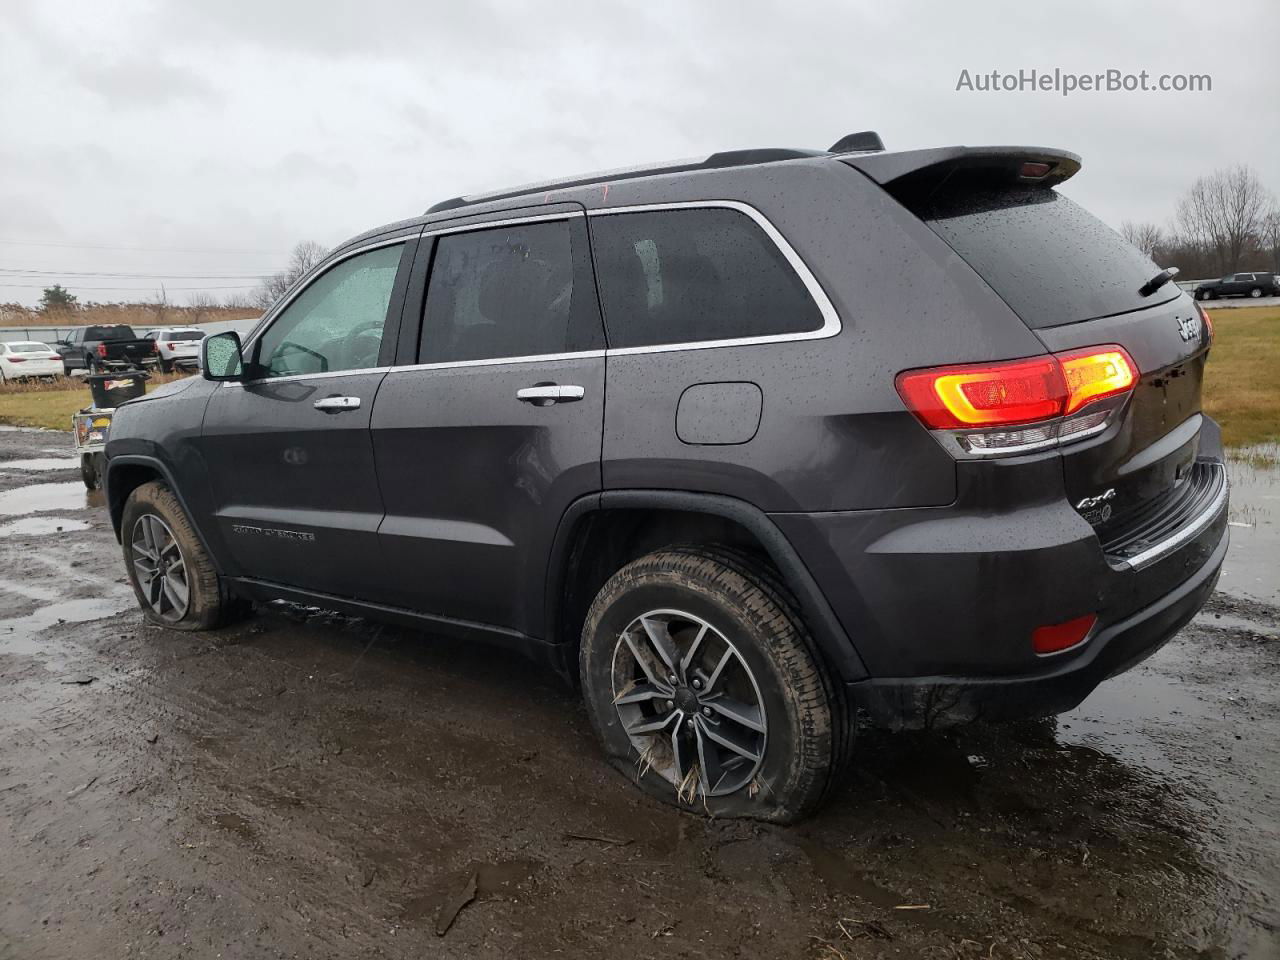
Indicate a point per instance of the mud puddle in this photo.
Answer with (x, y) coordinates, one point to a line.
(41, 464)
(21, 635)
(42, 526)
(46, 497)
(1252, 567)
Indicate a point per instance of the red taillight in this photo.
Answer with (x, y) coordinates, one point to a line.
(172, 346)
(985, 394)
(1033, 170)
(1208, 321)
(1016, 392)
(17, 359)
(1057, 637)
(1096, 373)
(102, 349)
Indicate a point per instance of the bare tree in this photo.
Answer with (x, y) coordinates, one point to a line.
(1145, 236)
(200, 305)
(1224, 212)
(304, 256)
(159, 305)
(1271, 235)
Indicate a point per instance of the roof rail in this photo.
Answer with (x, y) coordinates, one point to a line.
(716, 161)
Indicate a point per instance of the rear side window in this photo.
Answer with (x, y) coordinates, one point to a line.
(517, 291)
(686, 276)
(1048, 258)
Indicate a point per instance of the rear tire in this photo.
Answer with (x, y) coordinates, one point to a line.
(165, 366)
(171, 573)
(723, 627)
(1255, 292)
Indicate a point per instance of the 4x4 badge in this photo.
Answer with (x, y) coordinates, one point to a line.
(1088, 502)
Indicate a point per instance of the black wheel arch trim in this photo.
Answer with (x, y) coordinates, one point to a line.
(116, 507)
(830, 635)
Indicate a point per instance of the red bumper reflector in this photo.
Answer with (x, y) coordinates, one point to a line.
(1062, 636)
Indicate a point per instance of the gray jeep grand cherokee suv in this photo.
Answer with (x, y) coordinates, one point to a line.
(750, 445)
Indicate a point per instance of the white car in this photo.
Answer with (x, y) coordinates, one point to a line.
(28, 358)
(177, 346)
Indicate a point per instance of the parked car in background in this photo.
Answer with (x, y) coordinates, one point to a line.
(804, 491)
(176, 347)
(1239, 285)
(107, 347)
(28, 359)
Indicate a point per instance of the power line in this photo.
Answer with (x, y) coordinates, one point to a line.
(133, 276)
(78, 286)
(102, 246)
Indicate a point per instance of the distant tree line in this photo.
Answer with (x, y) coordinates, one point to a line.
(1225, 223)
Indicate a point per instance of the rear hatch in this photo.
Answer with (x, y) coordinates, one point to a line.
(1076, 283)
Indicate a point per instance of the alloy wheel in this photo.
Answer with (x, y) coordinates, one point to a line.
(689, 703)
(160, 568)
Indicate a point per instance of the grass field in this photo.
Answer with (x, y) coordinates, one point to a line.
(1242, 383)
(50, 405)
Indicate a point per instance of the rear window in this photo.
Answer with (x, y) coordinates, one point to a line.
(685, 276)
(120, 332)
(29, 348)
(1052, 261)
(183, 335)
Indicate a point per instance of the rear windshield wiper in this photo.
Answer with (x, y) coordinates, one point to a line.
(1158, 281)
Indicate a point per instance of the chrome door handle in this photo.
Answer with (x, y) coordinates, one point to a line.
(337, 404)
(545, 394)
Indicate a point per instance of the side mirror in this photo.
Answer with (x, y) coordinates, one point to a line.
(221, 357)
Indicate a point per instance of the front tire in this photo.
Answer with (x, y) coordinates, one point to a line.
(172, 575)
(705, 688)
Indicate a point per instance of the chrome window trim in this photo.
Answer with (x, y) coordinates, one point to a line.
(830, 318)
(499, 361)
(831, 325)
(506, 222)
(1184, 533)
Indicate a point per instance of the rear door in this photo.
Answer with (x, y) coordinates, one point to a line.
(288, 450)
(1076, 283)
(484, 441)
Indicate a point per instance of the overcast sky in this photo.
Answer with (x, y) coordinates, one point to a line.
(208, 136)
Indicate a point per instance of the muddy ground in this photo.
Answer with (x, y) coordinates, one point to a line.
(309, 786)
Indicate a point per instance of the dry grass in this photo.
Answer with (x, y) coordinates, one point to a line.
(1242, 383)
(1242, 380)
(51, 404)
(142, 316)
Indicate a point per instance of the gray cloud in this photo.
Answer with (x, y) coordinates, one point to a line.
(240, 125)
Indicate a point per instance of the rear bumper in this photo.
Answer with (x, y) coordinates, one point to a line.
(941, 602)
(925, 702)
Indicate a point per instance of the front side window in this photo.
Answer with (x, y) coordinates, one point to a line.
(685, 276)
(336, 323)
(515, 291)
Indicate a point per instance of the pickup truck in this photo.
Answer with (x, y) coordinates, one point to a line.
(1239, 285)
(108, 347)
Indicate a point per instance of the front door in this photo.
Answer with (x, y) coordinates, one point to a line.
(289, 450)
(483, 443)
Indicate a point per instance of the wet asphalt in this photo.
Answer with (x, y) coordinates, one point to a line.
(307, 785)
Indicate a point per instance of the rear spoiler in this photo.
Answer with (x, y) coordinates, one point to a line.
(916, 171)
